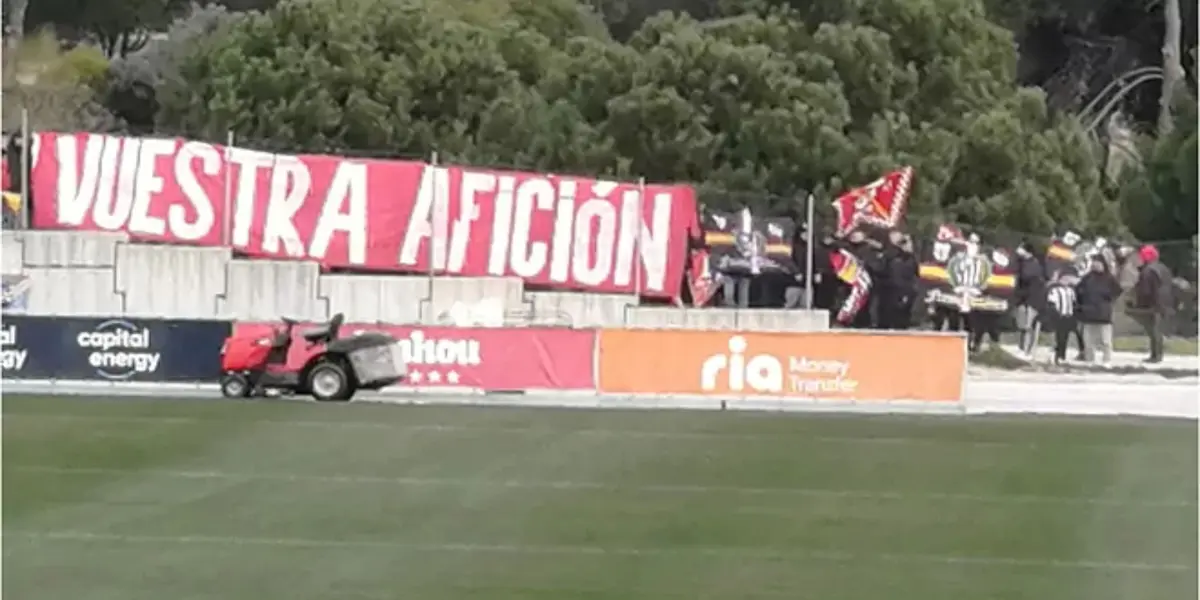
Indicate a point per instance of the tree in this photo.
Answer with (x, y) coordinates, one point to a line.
(117, 27)
(57, 88)
(1172, 63)
(15, 10)
(240, 5)
(1160, 201)
(133, 81)
(754, 108)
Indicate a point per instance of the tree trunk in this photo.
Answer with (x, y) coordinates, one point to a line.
(1172, 64)
(16, 20)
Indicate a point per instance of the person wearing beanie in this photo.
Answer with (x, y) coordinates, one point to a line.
(1059, 313)
(1154, 299)
(1030, 294)
(1096, 292)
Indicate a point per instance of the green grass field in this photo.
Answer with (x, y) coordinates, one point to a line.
(181, 500)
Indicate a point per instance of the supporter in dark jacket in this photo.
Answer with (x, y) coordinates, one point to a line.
(898, 287)
(1058, 314)
(1155, 299)
(866, 250)
(1030, 294)
(795, 294)
(1095, 295)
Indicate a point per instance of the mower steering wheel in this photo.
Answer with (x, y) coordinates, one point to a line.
(288, 324)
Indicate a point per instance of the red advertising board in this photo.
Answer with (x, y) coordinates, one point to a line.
(561, 232)
(491, 359)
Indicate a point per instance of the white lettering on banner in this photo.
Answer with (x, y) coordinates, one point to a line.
(430, 218)
(590, 242)
(210, 164)
(631, 218)
(528, 257)
(502, 224)
(290, 184)
(549, 230)
(244, 190)
(417, 349)
(765, 373)
(560, 267)
(347, 191)
(35, 150)
(119, 349)
(147, 183)
(113, 189)
(115, 181)
(12, 355)
(596, 242)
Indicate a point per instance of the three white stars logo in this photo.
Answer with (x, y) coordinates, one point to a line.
(434, 377)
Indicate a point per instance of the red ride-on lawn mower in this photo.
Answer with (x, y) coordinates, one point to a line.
(316, 362)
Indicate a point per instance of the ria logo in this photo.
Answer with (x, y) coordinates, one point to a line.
(762, 373)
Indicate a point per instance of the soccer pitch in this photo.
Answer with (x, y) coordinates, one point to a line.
(135, 499)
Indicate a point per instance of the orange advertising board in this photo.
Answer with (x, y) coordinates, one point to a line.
(833, 366)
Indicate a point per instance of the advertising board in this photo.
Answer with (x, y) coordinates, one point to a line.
(111, 348)
(841, 366)
(484, 358)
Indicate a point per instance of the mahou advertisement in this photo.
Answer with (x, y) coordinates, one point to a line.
(562, 232)
(483, 358)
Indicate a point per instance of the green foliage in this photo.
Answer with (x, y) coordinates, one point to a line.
(57, 88)
(117, 27)
(1160, 201)
(241, 5)
(133, 81)
(84, 65)
(755, 108)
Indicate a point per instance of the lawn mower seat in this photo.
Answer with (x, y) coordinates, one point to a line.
(327, 332)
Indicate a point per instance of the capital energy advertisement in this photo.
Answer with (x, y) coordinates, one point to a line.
(111, 349)
(119, 350)
(12, 354)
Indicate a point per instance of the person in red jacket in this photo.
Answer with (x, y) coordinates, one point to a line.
(1154, 299)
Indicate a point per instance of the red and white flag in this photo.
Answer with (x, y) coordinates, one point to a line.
(880, 203)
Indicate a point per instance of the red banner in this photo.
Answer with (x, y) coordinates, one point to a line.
(561, 232)
(491, 359)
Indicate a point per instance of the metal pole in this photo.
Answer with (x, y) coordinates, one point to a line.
(1120, 80)
(26, 169)
(433, 210)
(637, 242)
(809, 232)
(1120, 94)
(227, 217)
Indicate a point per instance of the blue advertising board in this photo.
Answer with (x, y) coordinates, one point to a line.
(111, 349)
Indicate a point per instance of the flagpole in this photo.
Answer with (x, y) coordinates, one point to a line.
(808, 255)
(26, 218)
(434, 179)
(637, 243)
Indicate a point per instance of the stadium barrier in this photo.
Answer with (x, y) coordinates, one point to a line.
(117, 349)
(721, 367)
(842, 371)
